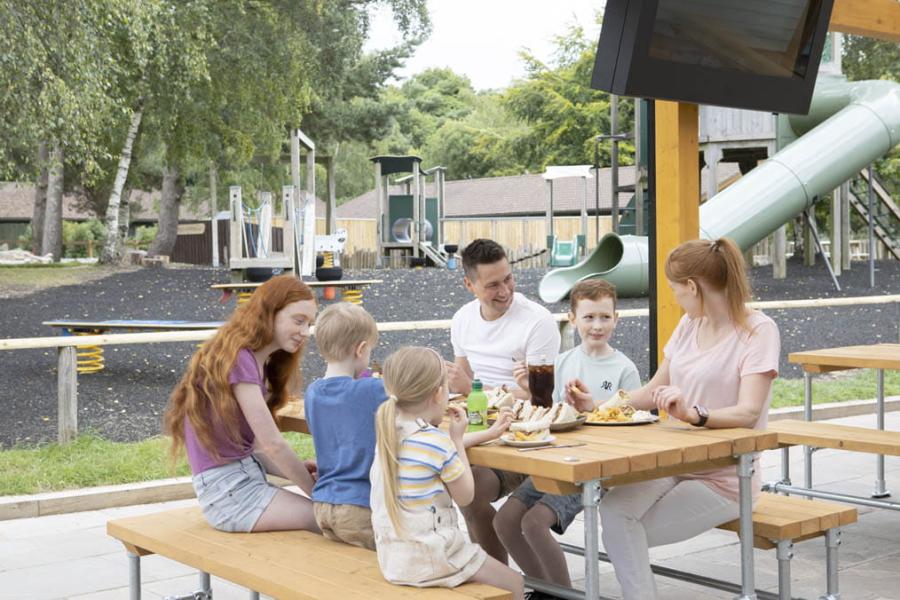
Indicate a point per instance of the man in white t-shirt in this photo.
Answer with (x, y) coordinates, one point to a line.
(492, 335)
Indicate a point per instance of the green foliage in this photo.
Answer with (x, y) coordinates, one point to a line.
(25, 238)
(76, 235)
(143, 236)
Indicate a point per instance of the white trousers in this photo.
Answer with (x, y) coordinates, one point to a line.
(640, 516)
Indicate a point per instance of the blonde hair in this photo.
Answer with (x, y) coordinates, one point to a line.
(341, 327)
(412, 375)
(720, 265)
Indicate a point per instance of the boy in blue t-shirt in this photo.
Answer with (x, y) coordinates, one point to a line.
(340, 411)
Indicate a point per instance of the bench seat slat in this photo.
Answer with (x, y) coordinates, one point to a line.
(777, 517)
(287, 564)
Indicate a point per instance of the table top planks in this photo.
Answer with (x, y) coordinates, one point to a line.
(634, 453)
(872, 356)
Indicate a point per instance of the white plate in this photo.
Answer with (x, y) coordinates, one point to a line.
(454, 396)
(532, 444)
(568, 425)
(651, 419)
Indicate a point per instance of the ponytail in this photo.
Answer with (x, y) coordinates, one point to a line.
(387, 445)
(719, 264)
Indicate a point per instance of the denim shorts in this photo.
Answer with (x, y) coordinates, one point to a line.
(233, 496)
(565, 507)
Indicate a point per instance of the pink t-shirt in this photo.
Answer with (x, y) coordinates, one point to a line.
(712, 378)
(245, 370)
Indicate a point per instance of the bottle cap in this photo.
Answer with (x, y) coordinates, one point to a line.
(476, 385)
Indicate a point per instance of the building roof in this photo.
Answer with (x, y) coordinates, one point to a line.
(17, 204)
(518, 195)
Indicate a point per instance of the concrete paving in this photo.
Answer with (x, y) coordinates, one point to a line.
(70, 556)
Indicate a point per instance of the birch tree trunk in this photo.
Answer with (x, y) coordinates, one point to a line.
(51, 243)
(124, 221)
(170, 202)
(40, 201)
(112, 250)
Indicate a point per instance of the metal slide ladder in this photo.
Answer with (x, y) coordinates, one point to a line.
(883, 228)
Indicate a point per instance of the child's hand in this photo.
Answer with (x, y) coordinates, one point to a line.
(313, 469)
(459, 420)
(504, 420)
(578, 395)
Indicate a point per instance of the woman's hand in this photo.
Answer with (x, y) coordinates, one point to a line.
(520, 374)
(670, 399)
(578, 395)
(458, 423)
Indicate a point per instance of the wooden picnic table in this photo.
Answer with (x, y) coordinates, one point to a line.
(613, 456)
(872, 356)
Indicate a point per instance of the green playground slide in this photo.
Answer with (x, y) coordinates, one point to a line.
(849, 125)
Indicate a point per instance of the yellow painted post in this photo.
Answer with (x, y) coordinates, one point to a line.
(677, 200)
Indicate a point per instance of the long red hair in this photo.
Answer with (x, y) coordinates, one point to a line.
(204, 395)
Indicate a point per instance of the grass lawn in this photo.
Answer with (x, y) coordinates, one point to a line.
(93, 461)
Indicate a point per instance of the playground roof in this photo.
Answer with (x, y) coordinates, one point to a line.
(17, 205)
(396, 164)
(517, 195)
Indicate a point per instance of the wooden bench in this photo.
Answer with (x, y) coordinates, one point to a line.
(813, 436)
(285, 564)
(779, 521)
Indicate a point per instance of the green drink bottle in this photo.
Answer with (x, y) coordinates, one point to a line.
(476, 405)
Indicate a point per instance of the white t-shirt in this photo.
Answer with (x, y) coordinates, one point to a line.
(527, 330)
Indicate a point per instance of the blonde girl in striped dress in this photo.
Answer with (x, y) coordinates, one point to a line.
(419, 471)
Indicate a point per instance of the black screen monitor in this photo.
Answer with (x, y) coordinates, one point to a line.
(754, 54)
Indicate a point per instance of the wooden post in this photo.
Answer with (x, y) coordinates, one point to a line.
(678, 199)
(809, 247)
(779, 254)
(836, 243)
(845, 225)
(567, 336)
(330, 216)
(379, 214)
(67, 384)
(213, 209)
(236, 232)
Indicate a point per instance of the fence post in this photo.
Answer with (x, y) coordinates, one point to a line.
(67, 382)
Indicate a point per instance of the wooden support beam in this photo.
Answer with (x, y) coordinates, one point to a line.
(871, 18)
(677, 199)
(67, 406)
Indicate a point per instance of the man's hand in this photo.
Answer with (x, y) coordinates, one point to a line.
(459, 380)
(520, 374)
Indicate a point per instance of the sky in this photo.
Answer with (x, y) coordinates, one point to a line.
(482, 38)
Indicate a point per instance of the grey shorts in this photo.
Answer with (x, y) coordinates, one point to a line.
(234, 496)
(565, 507)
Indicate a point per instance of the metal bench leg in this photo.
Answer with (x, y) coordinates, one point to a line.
(205, 585)
(134, 576)
(745, 475)
(880, 489)
(832, 541)
(784, 551)
(786, 467)
(254, 595)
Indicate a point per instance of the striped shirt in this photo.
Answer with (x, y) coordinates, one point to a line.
(428, 459)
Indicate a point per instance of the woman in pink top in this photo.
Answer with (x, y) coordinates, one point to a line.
(717, 372)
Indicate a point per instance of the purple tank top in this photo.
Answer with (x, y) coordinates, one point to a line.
(245, 370)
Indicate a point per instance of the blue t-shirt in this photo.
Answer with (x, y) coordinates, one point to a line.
(340, 413)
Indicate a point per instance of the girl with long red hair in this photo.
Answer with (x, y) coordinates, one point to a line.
(223, 413)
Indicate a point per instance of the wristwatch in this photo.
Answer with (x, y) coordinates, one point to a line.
(703, 413)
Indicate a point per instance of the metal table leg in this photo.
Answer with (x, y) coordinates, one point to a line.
(589, 493)
(880, 491)
(134, 576)
(832, 542)
(807, 414)
(745, 501)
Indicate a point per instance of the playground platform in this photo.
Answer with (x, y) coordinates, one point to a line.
(70, 556)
